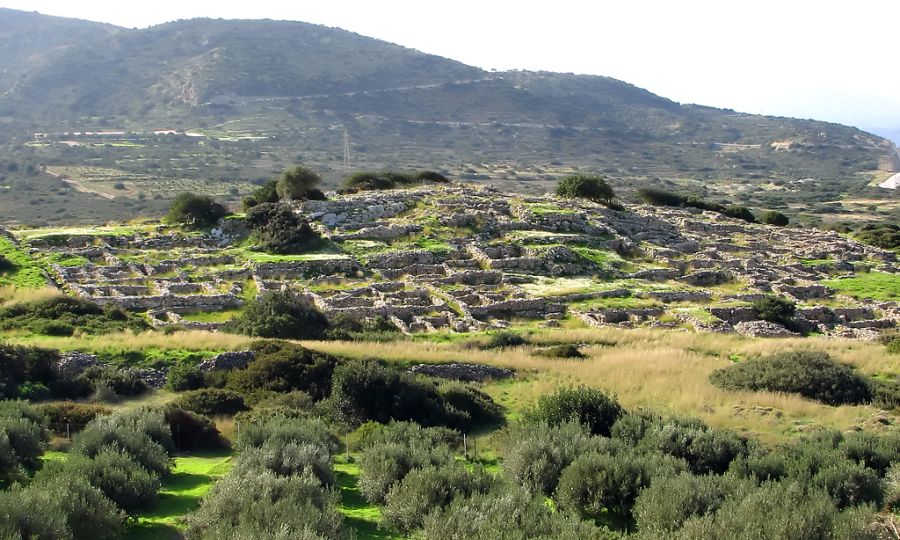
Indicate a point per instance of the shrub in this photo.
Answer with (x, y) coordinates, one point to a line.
(669, 501)
(597, 482)
(535, 455)
(467, 406)
(265, 505)
(6, 265)
(407, 433)
(211, 402)
(278, 229)
(850, 484)
(773, 217)
(292, 458)
(593, 408)
(891, 342)
(566, 350)
(505, 338)
(660, 197)
(809, 373)
(60, 508)
(139, 434)
(740, 212)
(507, 514)
(696, 202)
(279, 314)
(19, 365)
(280, 366)
(883, 235)
(75, 415)
(184, 376)
(427, 489)
(431, 176)
(592, 188)
(296, 183)
(383, 465)
(876, 452)
(115, 474)
(774, 308)
(119, 382)
(23, 439)
(266, 193)
(61, 314)
(195, 211)
(283, 430)
(192, 432)
(705, 450)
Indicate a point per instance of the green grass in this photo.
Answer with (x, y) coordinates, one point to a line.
(181, 492)
(359, 514)
(27, 273)
(874, 285)
(211, 316)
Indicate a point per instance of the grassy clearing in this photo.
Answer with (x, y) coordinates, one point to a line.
(26, 274)
(663, 370)
(359, 514)
(191, 340)
(211, 316)
(874, 285)
(181, 492)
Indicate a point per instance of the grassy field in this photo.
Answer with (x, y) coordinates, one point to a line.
(27, 273)
(874, 285)
(181, 492)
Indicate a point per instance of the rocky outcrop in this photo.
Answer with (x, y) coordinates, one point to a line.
(227, 361)
(764, 329)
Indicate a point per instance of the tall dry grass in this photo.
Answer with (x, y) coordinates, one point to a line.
(10, 295)
(193, 340)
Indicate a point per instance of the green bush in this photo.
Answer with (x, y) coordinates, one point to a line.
(75, 415)
(119, 382)
(211, 402)
(431, 176)
(427, 489)
(669, 501)
(192, 432)
(740, 212)
(883, 235)
(811, 374)
(61, 508)
(279, 314)
(588, 406)
(287, 459)
(195, 211)
(60, 315)
(297, 183)
(773, 217)
(284, 430)
(368, 181)
(595, 482)
(6, 265)
(384, 465)
(266, 193)
(850, 484)
(23, 439)
(278, 229)
(142, 435)
(19, 365)
(891, 341)
(265, 505)
(705, 450)
(566, 350)
(774, 308)
(467, 406)
(184, 376)
(408, 433)
(280, 366)
(131, 487)
(507, 514)
(535, 455)
(592, 188)
(660, 197)
(505, 338)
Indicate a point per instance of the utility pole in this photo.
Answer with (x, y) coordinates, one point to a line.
(346, 149)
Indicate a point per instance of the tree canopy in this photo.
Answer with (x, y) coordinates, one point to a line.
(192, 210)
(297, 183)
(592, 188)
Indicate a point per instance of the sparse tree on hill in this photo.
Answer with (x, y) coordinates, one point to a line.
(774, 218)
(297, 183)
(192, 210)
(592, 188)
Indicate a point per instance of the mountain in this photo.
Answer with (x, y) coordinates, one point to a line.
(266, 94)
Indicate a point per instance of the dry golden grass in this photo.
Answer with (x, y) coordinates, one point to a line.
(192, 340)
(10, 295)
(662, 370)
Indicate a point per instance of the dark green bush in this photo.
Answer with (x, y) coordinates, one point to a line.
(740, 212)
(596, 482)
(131, 487)
(192, 432)
(588, 406)
(118, 382)
(195, 211)
(6, 265)
(428, 489)
(296, 183)
(431, 176)
(278, 229)
(75, 415)
(566, 350)
(660, 197)
(876, 452)
(505, 338)
(773, 217)
(284, 430)
(408, 433)
(211, 402)
(264, 505)
(184, 376)
(23, 439)
(507, 514)
(368, 181)
(383, 465)
(535, 455)
(697, 202)
(467, 406)
(811, 374)
(850, 484)
(266, 193)
(279, 314)
(60, 508)
(19, 365)
(705, 450)
(280, 366)
(592, 188)
(669, 501)
(883, 235)
(774, 308)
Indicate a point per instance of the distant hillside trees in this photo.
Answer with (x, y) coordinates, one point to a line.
(592, 188)
(194, 211)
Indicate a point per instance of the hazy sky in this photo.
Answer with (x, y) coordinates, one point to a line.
(831, 60)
